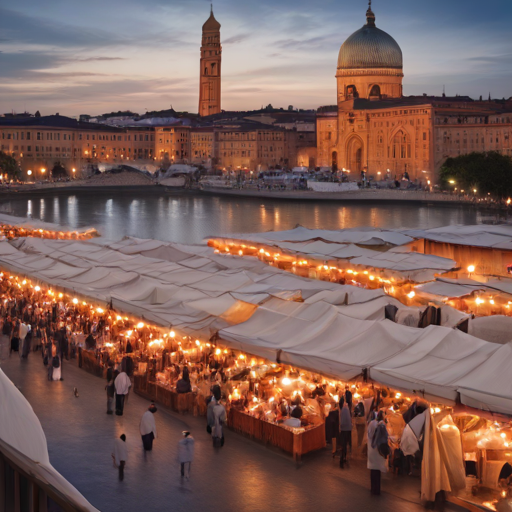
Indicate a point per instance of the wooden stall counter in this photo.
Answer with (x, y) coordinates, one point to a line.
(178, 402)
(89, 362)
(297, 444)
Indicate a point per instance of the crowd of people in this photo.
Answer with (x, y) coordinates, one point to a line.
(33, 319)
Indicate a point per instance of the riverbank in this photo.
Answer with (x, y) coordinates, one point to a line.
(358, 196)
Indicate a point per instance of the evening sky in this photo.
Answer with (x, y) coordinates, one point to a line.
(92, 57)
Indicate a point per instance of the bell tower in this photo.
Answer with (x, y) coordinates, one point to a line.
(209, 73)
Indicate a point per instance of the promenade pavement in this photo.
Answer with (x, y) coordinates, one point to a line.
(242, 476)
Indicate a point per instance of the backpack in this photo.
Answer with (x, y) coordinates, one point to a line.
(56, 362)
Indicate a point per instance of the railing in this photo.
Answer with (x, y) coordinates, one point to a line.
(26, 486)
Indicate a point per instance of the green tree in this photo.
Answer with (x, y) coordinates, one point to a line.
(8, 165)
(489, 172)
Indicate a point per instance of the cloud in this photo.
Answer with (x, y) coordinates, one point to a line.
(19, 63)
(236, 39)
(313, 43)
(22, 28)
(100, 59)
(493, 59)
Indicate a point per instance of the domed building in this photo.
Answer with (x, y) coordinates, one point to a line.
(373, 131)
(370, 64)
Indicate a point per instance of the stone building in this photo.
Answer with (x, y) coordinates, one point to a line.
(374, 128)
(210, 68)
(42, 142)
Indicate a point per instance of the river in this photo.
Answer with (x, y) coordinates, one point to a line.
(189, 217)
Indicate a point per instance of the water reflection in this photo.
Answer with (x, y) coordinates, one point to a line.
(189, 218)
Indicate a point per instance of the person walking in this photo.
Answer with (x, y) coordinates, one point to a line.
(23, 330)
(147, 427)
(27, 342)
(219, 418)
(110, 388)
(122, 385)
(120, 455)
(378, 451)
(186, 453)
(345, 430)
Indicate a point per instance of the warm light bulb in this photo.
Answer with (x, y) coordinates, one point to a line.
(140, 325)
(172, 334)
(75, 301)
(411, 295)
(471, 268)
(286, 381)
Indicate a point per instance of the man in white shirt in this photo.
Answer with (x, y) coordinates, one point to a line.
(120, 455)
(122, 385)
(148, 427)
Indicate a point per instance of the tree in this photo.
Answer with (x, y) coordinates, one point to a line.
(8, 165)
(489, 172)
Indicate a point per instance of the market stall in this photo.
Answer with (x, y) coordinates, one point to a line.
(283, 350)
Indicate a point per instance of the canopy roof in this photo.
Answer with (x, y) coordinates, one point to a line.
(326, 327)
(362, 247)
(22, 439)
(498, 237)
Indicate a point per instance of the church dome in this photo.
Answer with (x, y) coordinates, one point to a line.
(370, 47)
(211, 24)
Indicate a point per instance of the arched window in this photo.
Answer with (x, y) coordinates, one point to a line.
(380, 137)
(206, 71)
(352, 92)
(375, 92)
(213, 66)
(401, 147)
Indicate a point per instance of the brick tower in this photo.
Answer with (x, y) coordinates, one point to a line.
(209, 82)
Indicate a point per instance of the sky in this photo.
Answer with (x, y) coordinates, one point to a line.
(76, 57)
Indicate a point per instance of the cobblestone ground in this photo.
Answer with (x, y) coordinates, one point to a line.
(242, 476)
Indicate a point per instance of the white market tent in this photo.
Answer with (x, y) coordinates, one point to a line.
(337, 330)
(26, 223)
(497, 237)
(22, 440)
(361, 247)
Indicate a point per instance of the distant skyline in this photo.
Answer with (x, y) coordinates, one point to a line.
(95, 57)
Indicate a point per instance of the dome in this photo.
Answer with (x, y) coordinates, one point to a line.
(211, 24)
(370, 47)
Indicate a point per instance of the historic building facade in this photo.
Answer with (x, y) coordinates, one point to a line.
(42, 142)
(374, 128)
(210, 68)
